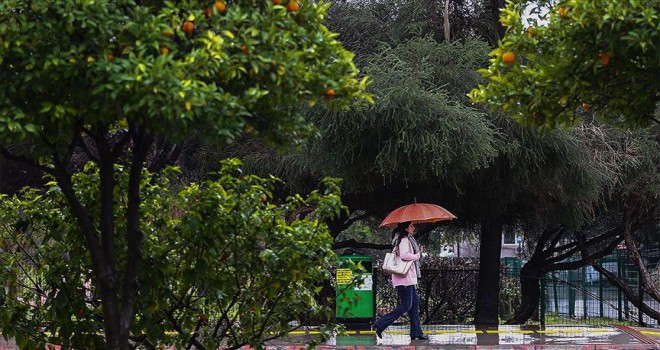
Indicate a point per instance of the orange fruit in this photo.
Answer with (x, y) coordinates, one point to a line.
(164, 50)
(220, 6)
(563, 12)
(329, 93)
(245, 49)
(168, 33)
(586, 107)
(208, 12)
(604, 59)
(276, 2)
(111, 57)
(293, 6)
(188, 27)
(508, 57)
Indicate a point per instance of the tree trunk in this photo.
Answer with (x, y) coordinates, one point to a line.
(488, 290)
(446, 22)
(103, 271)
(531, 272)
(628, 292)
(648, 285)
(496, 6)
(118, 303)
(530, 287)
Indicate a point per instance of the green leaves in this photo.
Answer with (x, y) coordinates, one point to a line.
(582, 57)
(102, 62)
(219, 250)
(420, 124)
(86, 75)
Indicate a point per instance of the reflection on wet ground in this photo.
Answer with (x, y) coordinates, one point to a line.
(467, 337)
(502, 337)
(508, 335)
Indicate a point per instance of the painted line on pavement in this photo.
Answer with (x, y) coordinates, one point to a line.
(472, 331)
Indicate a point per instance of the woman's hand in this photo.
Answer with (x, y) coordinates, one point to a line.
(421, 252)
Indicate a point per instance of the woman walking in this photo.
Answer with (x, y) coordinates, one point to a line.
(405, 285)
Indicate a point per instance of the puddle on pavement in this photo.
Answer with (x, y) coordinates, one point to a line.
(503, 335)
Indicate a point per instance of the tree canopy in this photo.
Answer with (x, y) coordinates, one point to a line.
(575, 56)
(107, 81)
(170, 67)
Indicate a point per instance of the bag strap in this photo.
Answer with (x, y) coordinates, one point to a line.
(395, 249)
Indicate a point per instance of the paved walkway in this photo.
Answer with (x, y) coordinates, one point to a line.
(503, 337)
(467, 337)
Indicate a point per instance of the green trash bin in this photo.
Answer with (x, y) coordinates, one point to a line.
(355, 304)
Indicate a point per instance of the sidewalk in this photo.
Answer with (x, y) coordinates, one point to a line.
(504, 337)
(573, 337)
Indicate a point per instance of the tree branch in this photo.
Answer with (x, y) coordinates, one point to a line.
(25, 160)
(352, 243)
(142, 142)
(627, 291)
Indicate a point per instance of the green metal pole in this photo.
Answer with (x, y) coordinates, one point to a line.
(554, 293)
(584, 292)
(626, 277)
(641, 299)
(571, 293)
(600, 289)
(543, 301)
(619, 296)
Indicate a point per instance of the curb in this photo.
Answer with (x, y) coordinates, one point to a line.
(637, 334)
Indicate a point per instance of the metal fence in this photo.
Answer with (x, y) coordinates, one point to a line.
(582, 296)
(585, 296)
(448, 296)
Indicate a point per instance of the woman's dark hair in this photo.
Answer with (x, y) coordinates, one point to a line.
(400, 231)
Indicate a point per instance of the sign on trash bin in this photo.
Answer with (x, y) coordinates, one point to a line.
(356, 303)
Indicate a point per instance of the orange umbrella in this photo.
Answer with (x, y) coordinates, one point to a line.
(417, 213)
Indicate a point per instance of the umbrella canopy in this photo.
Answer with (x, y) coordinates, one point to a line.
(417, 213)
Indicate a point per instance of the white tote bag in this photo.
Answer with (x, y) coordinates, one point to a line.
(393, 264)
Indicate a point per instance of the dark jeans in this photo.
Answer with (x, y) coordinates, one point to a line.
(408, 302)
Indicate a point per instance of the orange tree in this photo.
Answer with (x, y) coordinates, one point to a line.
(576, 56)
(259, 265)
(103, 80)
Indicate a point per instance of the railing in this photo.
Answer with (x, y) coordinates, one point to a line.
(582, 296)
(585, 296)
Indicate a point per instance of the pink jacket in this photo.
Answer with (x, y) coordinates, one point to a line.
(406, 253)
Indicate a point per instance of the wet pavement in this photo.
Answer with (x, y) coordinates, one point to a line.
(502, 337)
(467, 337)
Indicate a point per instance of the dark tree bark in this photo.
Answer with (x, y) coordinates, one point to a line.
(530, 276)
(548, 256)
(142, 143)
(496, 6)
(118, 293)
(630, 294)
(490, 247)
(648, 285)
